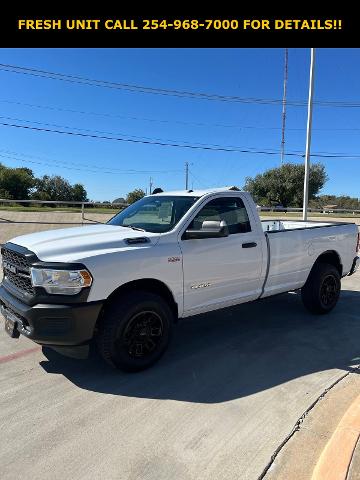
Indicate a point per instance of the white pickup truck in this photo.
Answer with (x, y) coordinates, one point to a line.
(167, 256)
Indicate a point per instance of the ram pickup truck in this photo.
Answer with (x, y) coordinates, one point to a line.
(123, 284)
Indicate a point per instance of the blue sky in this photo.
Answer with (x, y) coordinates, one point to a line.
(240, 72)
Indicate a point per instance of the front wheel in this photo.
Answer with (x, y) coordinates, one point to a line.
(322, 289)
(135, 331)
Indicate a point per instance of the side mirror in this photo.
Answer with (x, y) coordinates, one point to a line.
(209, 229)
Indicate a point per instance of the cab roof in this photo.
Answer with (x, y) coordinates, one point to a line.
(196, 193)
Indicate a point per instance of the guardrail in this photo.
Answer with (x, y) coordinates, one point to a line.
(124, 205)
(62, 202)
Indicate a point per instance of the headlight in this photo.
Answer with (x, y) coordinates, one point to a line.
(61, 282)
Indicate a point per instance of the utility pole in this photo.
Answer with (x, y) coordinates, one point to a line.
(284, 107)
(186, 175)
(308, 134)
(150, 186)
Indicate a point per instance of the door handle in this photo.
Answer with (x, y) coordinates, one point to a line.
(249, 245)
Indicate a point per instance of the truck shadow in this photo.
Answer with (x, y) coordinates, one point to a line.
(233, 353)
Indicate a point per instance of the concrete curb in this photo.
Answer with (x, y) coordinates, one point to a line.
(335, 460)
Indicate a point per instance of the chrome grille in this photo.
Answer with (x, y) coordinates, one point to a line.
(21, 277)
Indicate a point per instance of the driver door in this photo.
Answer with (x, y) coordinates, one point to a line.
(223, 271)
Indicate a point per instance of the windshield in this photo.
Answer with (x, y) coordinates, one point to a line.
(154, 214)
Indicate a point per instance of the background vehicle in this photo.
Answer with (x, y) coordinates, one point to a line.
(280, 208)
(167, 256)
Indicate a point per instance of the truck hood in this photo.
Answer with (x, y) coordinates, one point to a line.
(74, 244)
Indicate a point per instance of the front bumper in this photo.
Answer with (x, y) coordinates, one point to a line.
(355, 265)
(52, 324)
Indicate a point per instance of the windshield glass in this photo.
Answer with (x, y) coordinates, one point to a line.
(154, 214)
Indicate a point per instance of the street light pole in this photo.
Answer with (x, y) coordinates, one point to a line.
(308, 134)
(186, 175)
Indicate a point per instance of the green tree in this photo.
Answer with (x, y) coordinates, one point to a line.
(40, 195)
(79, 193)
(52, 188)
(5, 194)
(284, 185)
(17, 182)
(56, 187)
(135, 195)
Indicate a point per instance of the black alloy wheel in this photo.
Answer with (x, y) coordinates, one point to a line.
(135, 330)
(322, 289)
(142, 334)
(329, 290)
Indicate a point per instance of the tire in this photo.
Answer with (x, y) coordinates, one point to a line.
(135, 331)
(322, 289)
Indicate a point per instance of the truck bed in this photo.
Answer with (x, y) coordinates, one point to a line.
(294, 246)
(279, 225)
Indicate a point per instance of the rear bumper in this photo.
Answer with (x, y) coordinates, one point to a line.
(355, 265)
(49, 324)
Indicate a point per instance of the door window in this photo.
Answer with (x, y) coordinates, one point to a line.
(230, 209)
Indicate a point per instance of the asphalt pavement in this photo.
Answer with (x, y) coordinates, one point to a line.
(217, 406)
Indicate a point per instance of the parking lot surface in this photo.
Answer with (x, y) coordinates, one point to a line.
(223, 398)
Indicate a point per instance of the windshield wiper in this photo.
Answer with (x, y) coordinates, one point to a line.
(134, 228)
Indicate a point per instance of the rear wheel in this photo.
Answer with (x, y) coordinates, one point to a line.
(322, 289)
(135, 331)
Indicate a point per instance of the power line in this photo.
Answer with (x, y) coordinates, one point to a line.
(176, 145)
(94, 131)
(109, 133)
(139, 88)
(106, 171)
(145, 142)
(11, 152)
(69, 165)
(154, 139)
(145, 119)
(163, 91)
(168, 121)
(167, 92)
